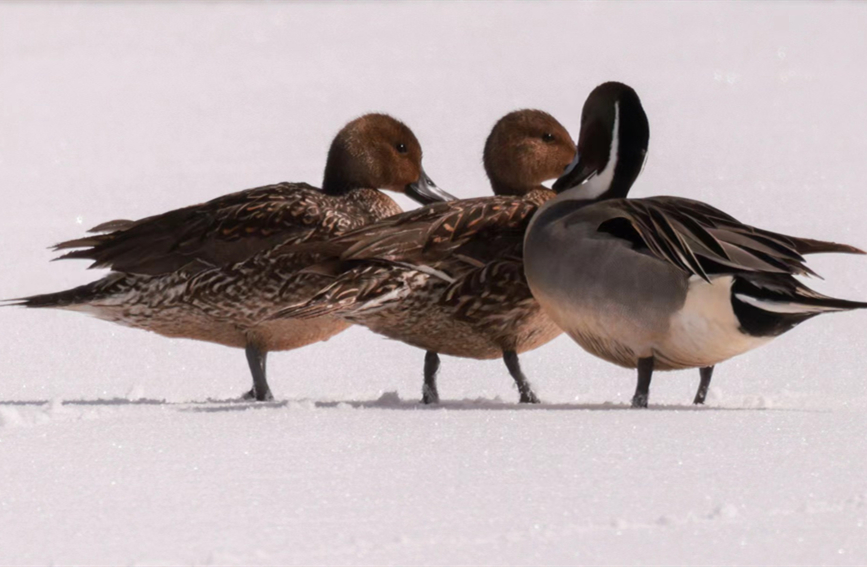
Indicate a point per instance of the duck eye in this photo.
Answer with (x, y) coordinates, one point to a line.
(401, 148)
(548, 137)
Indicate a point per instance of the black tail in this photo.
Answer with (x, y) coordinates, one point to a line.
(832, 303)
(768, 305)
(789, 295)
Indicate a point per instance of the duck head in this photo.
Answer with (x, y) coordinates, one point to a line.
(377, 151)
(612, 145)
(524, 149)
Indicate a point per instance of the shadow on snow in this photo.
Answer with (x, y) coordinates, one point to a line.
(388, 401)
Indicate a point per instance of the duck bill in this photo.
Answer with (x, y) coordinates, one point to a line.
(575, 174)
(425, 191)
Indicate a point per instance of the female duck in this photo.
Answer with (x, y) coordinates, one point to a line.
(210, 271)
(661, 283)
(448, 277)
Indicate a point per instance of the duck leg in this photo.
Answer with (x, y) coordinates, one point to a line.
(642, 390)
(256, 359)
(705, 374)
(429, 393)
(510, 357)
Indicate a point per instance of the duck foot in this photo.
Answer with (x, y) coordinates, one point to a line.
(429, 396)
(251, 396)
(642, 389)
(429, 393)
(706, 373)
(529, 397)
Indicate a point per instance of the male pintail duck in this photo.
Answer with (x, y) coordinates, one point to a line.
(448, 277)
(211, 271)
(661, 283)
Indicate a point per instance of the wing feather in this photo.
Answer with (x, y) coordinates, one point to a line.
(223, 231)
(704, 241)
(478, 230)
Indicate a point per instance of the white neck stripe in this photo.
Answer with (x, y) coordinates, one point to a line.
(600, 182)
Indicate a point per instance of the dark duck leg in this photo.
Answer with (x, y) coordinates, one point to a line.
(429, 393)
(510, 357)
(256, 359)
(642, 390)
(706, 373)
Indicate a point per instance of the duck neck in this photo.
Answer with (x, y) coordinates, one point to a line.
(503, 188)
(343, 173)
(625, 159)
(619, 187)
(335, 182)
(613, 182)
(536, 193)
(539, 195)
(373, 202)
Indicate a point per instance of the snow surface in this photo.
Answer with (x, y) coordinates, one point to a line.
(121, 447)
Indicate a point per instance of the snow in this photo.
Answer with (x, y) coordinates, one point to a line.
(121, 447)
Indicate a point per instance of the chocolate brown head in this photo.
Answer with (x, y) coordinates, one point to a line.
(376, 151)
(525, 148)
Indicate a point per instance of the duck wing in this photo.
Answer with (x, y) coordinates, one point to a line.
(474, 231)
(705, 241)
(801, 245)
(223, 231)
(461, 243)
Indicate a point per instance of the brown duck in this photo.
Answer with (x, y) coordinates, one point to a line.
(449, 277)
(212, 271)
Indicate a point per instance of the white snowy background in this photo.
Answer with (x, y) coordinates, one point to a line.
(122, 447)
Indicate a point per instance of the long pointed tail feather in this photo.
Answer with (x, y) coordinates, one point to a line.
(810, 246)
(786, 295)
(84, 242)
(87, 293)
(59, 299)
(801, 304)
(112, 225)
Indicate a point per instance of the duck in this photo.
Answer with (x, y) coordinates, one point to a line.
(211, 271)
(448, 277)
(659, 283)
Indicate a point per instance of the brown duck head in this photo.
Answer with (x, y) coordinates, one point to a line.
(524, 149)
(377, 151)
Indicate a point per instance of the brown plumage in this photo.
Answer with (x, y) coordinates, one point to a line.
(215, 271)
(224, 231)
(448, 277)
